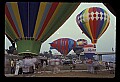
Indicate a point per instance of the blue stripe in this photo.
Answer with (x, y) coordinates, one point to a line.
(101, 24)
(33, 12)
(71, 42)
(23, 10)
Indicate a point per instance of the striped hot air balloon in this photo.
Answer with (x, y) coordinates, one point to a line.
(63, 45)
(29, 24)
(93, 22)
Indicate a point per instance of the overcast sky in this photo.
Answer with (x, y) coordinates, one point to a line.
(70, 29)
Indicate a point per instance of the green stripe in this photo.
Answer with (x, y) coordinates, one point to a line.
(9, 31)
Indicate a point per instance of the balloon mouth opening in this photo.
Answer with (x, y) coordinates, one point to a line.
(94, 41)
(31, 47)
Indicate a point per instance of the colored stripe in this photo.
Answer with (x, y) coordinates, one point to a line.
(50, 21)
(91, 24)
(88, 26)
(10, 26)
(104, 27)
(94, 24)
(39, 17)
(33, 11)
(85, 28)
(58, 45)
(23, 11)
(51, 11)
(43, 19)
(17, 16)
(13, 17)
(10, 19)
(61, 18)
(99, 25)
(9, 31)
(8, 36)
(67, 50)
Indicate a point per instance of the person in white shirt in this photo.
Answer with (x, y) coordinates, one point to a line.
(17, 67)
(44, 65)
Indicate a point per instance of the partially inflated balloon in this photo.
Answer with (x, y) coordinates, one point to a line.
(81, 42)
(93, 22)
(63, 45)
(29, 24)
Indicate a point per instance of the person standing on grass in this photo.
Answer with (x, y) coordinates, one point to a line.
(96, 66)
(17, 67)
(89, 64)
(12, 64)
(44, 65)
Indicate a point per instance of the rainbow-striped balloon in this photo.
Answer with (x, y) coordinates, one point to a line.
(29, 24)
(93, 22)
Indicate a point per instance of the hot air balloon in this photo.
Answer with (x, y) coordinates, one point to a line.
(29, 24)
(63, 45)
(79, 47)
(93, 22)
(89, 51)
(81, 42)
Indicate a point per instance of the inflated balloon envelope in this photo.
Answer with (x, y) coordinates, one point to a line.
(93, 22)
(63, 45)
(29, 24)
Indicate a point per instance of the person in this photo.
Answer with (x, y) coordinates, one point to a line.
(12, 64)
(56, 66)
(44, 65)
(38, 66)
(107, 65)
(20, 68)
(89, 63)
(17, 67)
(71, 67)
(96, 66)
(111, 67)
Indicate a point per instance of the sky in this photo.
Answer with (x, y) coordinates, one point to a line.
(70, 29)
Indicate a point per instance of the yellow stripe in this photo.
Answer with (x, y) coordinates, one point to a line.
(52, 18)
(88, 25)
(11, 27)
(39, 17)
(17, 16)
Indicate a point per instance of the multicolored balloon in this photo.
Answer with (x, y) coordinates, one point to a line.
(29, 24)
(79, 47)
(81, 42)
(93, 22)
(63, 45)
